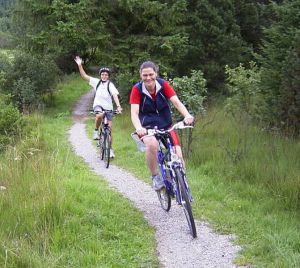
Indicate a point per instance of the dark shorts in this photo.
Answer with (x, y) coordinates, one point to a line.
(109, 114)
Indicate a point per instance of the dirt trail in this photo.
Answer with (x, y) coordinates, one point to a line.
(175, 246)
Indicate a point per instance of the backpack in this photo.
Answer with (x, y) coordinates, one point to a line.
(107, 86)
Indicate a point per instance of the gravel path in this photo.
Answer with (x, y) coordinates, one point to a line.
(175, 246)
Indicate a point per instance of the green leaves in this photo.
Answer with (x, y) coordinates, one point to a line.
(191, 91)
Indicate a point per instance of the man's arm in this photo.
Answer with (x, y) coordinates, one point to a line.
(188, 118)
(83, 74)
(135, 108)
(117, 102)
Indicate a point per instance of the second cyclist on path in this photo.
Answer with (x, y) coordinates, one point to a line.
(105, 92)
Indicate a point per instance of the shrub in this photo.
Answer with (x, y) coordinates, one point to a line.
(32, 77)
(10, 121)
(243, 87)
(191, 91)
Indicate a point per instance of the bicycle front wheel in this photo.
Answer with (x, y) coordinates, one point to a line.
(106, 148)
(164, 199)
(186, 205)
(101, 145)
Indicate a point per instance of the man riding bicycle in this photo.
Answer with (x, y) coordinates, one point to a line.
(150, 108)
(105, 91)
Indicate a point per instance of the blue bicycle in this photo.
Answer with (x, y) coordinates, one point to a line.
(173, 174)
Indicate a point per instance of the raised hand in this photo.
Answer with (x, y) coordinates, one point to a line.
(78, 60)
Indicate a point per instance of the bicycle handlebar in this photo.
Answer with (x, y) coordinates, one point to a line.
(179, 125)
(104, 111)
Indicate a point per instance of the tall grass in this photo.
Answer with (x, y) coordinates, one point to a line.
(55, 212)
(243, 181)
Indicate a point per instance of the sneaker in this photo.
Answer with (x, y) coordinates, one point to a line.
(96, 135)
(112, 154)
(158, 183)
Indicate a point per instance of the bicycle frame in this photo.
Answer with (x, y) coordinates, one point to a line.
(169, 161)
(173, 175)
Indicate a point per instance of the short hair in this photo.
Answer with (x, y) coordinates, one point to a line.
(149, 64)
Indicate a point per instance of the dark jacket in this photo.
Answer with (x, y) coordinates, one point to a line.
(154, 113)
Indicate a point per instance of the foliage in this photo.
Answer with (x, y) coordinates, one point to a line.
(30, 78)
(214, 40)
(4, 69)
(244, 88)
(25, 94)
(10, 121)
(280, 63)
(191, 91)
(124, 82)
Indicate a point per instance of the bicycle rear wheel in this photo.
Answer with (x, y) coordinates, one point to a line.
(106, 148)
(187, 208)
(164, 199)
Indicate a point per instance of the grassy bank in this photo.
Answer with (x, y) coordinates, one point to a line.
(55, 212)
(243, 181)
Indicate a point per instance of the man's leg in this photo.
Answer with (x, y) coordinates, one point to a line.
(151, 154)
(98, 119)
(151, 159)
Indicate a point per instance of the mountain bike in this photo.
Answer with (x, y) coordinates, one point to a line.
(104, 142)
(173, 174)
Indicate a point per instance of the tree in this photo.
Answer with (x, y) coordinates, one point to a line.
(280, 63)
(214, 40)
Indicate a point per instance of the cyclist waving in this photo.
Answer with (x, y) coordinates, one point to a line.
(105, 91)
(150, 108)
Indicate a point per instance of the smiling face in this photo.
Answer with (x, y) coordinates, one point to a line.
(104, 76)
(148, 76)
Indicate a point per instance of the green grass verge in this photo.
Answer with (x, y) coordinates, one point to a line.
(55, 212)
(245, 185)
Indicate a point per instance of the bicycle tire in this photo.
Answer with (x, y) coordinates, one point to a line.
(107, 147)
(164, 199)
(101, 144)
(185, 202)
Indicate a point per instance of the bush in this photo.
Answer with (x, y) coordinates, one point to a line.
(5, 66)
(25, 95)
(191, 91)
(32, 77)
(10, 121)
(124, 83)
(243, 86)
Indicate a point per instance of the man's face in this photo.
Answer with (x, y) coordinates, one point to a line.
(104, 76)
(148, 76)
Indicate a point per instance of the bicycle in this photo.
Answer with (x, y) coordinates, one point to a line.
(104, 142)
(173, 174)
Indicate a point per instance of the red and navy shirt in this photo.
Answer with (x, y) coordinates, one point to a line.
(154, 109)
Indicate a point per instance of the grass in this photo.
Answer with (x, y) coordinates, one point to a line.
(244, 183)
(55, 212)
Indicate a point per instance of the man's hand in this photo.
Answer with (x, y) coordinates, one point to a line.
(188, 120)
(119, 109)
(141, 131)
(78, 60)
